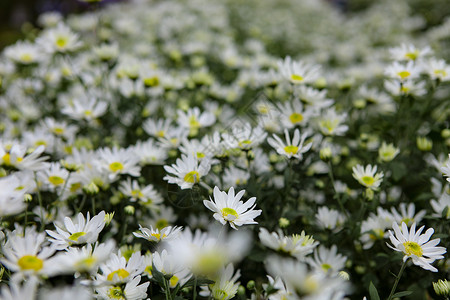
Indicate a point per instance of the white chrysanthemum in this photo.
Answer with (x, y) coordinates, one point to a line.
(85, 108)
(14, 290)
(407, 214)
(187, 171)
(298, 72)
(54, 177)
(294, 114)
(84, 260)
(118, 270)
(403, 72)
(11, 196)
(118, 161)
(446, 169)
(27, 254)
(244, 136)
(170, 266)
(406, 52)
(131, 291)
(158, 128)
(156, 235)
(24, 53)
(330, 218)
(387, 152)
(234, 176)
(135, 192)
(59, 39)
(368, 176)
(297, 245)
(295, 149)
(228, 208)
(437, 69)
(19, 158)
(327, 260)
(225, 286)
(440, 205)
(307, 285)
(194, 119)
(330, 123)
(150, 153)
(82, 232)
(416, 246)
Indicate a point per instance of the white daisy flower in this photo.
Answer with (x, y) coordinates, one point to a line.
(150, 153)
(53, 177)
(387, 152)
(225, 286)
(295, 149)
(11, 196)
(193, 119)
(297, 245)
(298, 72)
(27, 254)
(24, 53)
(446, 169)
(84, 260)
(416, 246)
(368, 176)
(158, 128)
(82, 232)
(19, 158)
(403, 72)
(294, 114)
(440, 205)
(156, 235)
(85, 108)
(187, 171)
(330, 123)
(59, 39)
(228, 208)
(118, 161)
(14, 290)
(134, 192)
(313, 97)
(437, 69)
(118, 270)
(409, 52)
(329, 218)
(170, 266)
(234, 176)
(244, 136)
(131, 291)
(327, 260)
(407, 214)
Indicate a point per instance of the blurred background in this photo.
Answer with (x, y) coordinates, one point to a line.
(19, 16)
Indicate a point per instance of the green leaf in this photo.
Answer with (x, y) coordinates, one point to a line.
(398, 171)
(373, 292)
(402, 294)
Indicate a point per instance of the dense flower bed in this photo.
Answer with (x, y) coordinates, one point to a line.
(226, 149)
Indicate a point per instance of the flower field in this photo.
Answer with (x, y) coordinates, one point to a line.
(226, 150)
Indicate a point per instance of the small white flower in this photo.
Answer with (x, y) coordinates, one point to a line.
(295, 149)
(131, 291)
(187, 171)
(403, 72)
(82, 232)
(298, 72)
(407, 52)
(59, 39)
(416, 246)
(118, 270)
(147, 194)
(368, 176)
(446, 169)
(14, 291)
(228, 208)
(327, 260)
(156, 235)
(193, 119)
(297, 245)
(118, 161)
(330, 123)
(225, 287)
(437, 69)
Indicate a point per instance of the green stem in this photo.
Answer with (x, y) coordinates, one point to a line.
(93, 205)
(167, 290)
(195, 289)
(338, 197)
(81, 204)
(64, 187)
(397, 279)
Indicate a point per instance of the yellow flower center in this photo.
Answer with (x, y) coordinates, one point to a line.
(137, 194)
(30, 262)
(148, 270)
(58, 130)
(121, 273)
(160, 133)
(326, 267)
(76, 236)
(440, 73)
(200, 155)
(296, 77)
(229, 214)
(403, 74)
(173, 281)
(26, 58)
(368, 180)
(152, 81)
(56, 180)
(116, 167)
(291, 149)
(88, 113)
(116, 293)
(61, 42)
(6, 159)
(192, 177)
(412, 248)
(377, 234)
(412, 55)
(86, 263)
(296, 118)
(193, 122)
(75, 187)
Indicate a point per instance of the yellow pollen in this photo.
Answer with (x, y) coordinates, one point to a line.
(440, 73)
(412, 55)
(173, 281)
(56, 180)
(229, 214)
(26, 58)
(148, 270)
(88, 113)
(160, 133)
(296, 77)
(403, 74)
(75, 187)
(326, 267)
(116, 293)
(76, 236)
(192, 177)
(368, 180)
(30, 262)
(86, 263)
(137, 193)
(58, 130)
(121, 273)
(291, 149)
(200, 155)
(61, 42)
(156, 235)
(6, 159)
(39, 143)
(116, 167)
(152, 81)
(296, 118)
(193, 122)
(412, 248)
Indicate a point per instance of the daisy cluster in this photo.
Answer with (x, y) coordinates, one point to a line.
(203, 150)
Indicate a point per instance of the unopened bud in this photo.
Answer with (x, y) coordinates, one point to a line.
(325, 154)
(442, 287)
(129, 209)
(424, 144)
(283, 222)
(91, 189)
(109, 217)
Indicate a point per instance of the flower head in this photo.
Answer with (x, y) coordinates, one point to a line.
(368, 176)
(228, 209)
(422, 251)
